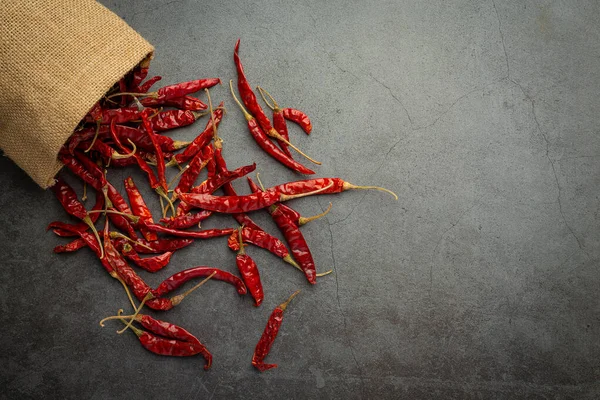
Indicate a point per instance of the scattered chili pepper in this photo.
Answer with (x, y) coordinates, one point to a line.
(155, 247)
(200, 141)
(297, 116)
(205, 234)
(294, 238)
(120, 115)
(269, 147)
(186, 220)
(249, 272)
(185, 103)
(249, 100)
(334, 185)
(238, 204)
(150, 264)
(140, 72)
(278, 120)
(172, 119)
(263, 240)
(268, 336)
(189, 176)
(141, 139)
(71, 246)
(139, 207)
(178, 279)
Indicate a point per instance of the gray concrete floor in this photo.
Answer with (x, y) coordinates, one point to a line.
(480, 282)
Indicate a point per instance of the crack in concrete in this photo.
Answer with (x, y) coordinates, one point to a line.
(337, 295)
(502, 39)
(551, 161)
(395, 98)
(452, 225)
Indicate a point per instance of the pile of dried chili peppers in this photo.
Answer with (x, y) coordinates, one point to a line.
(126, 128)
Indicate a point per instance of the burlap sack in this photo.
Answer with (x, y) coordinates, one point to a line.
(57, 58)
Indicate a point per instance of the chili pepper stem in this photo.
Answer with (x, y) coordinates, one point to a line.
(162, 194)
(303, 220)
(274, 134)
(153, 95)
(241, 250)
(118, 156)
(94, 139)
(324, 273)
(218, 142)
(133, 218)
(84, 196)
(177, 177)
(275, 106)
(147, 297)
(348, 186)
(284, 305)
(117, 277)
(176, 300)
(288, 259)
(246, 113)
(162, 207)
(286, 197)
(118, 316)
(89, 223)
(115, 235)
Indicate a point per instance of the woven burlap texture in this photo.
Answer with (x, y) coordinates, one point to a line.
(57, 58)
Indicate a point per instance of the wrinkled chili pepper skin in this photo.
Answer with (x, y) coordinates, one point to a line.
(183, 103)
(258, 238)
(205, 234)
(298, 245)
(193, 170)
(186, 220)
(266, 341)
(178, 279)
(141, 139)
(120, 115)
(81, 226)
(231, 204)
(247, 95)
(172, 331)
(71, 246)
(169, 347)
(139, 207)
(139, 288)
(308, 185)
(271, 148)
(202, 139)
(150, 264)
(251, 277)
(281, 127)
(171, 119)
(80, 171)
(144, 87)
(297, 116)
(160, 160)
(160, 245)
(68, 198)
(184, 88)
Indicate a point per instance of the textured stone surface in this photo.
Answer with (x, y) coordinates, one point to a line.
(481, 282)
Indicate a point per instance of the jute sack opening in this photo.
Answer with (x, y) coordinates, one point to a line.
(57, 58)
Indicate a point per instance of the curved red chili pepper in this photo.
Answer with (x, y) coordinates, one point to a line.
(71, 246)
(333, 185)
(297, 116)
(268, 336)
(184, 103)
(205, 234)
(201, 140)
(171, 119)
(267, 145)
(150, 264)
(139, 207)
(278, 121)
(160, 160)
(144, 87)
(120, 115)
(261, 239)
(190, 175)
(182, 89)
(186, 220)
(159, 246)
(178, 279)
(171, 347)
(249, 272)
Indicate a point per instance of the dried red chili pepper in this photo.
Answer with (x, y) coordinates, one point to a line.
(278, 120)
(189, 176)
(140, 72)
(294, 237)
(150, 264)
(263, 240)
(185, 221)
(120, 115)
(334, 185)
(238, 204)
(249, 100)
(249, 272)
(71, 246)
(160, 159)
(269, 147)
(200, 141)
(141, 139)
(171, 119)
(178, 279)
(297, 218)
(268, 336)
(144, 87)
(175, 333)
(68, 199)
(297, 116)
(184, 103)
(139, 207)
(155, 247)
(205, 234)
